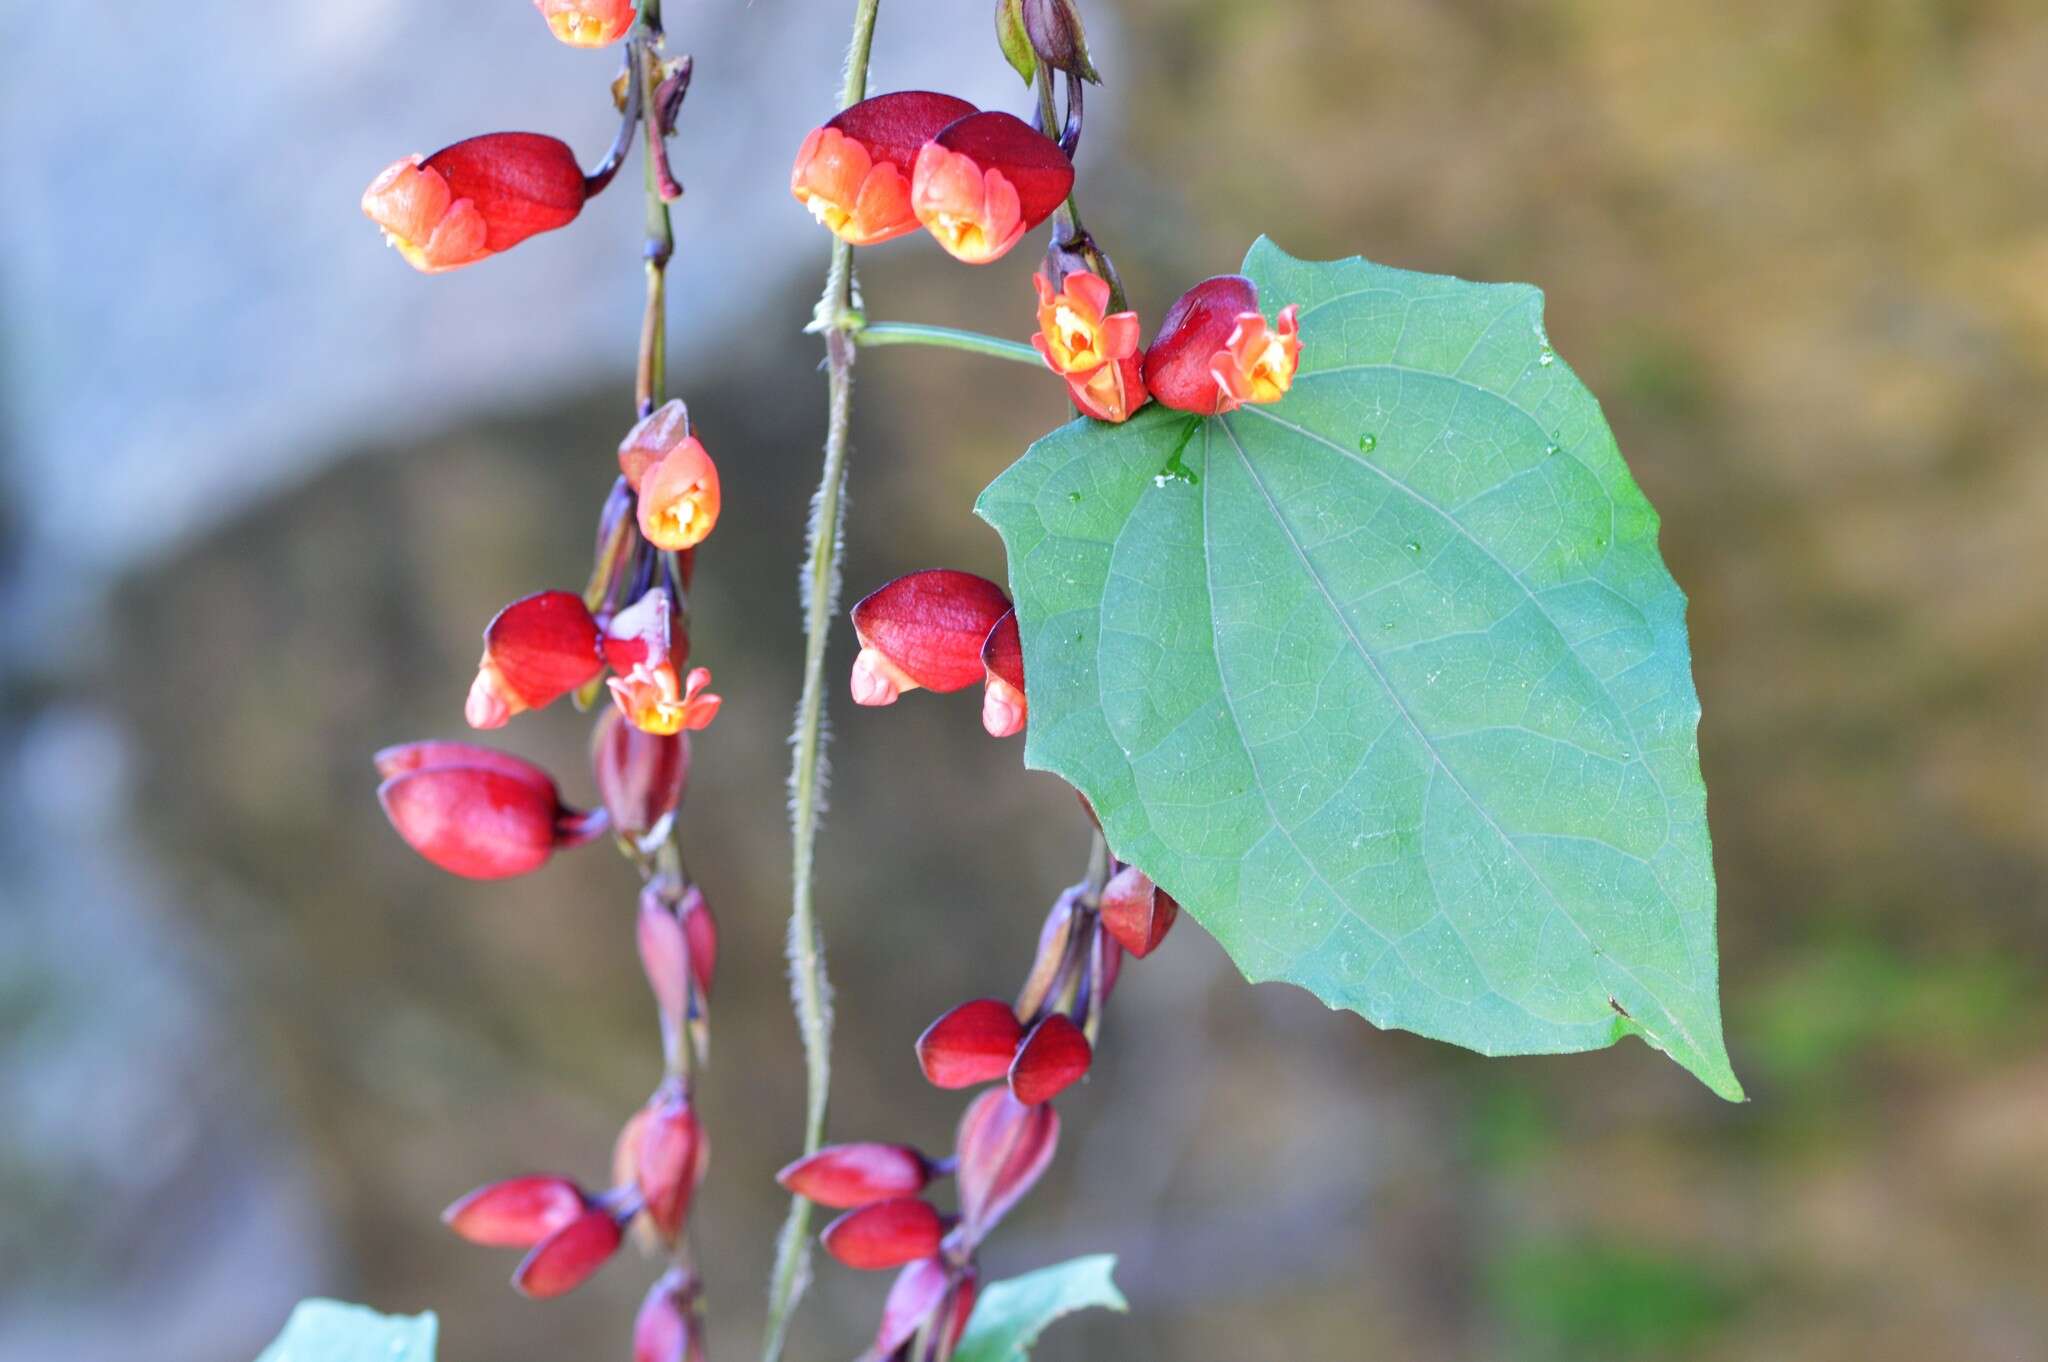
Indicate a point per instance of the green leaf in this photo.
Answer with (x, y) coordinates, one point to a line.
(1387, 683)
(1015, 42)
(331, 1331)
(1009, 1316)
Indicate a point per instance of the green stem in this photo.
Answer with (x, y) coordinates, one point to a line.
(807, 777)
(945, 337)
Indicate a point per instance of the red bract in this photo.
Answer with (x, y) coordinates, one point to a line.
(587, 23)
(670, 1158)
(884, 1235)
(985, 181)
(1003, 1148)
(475, 198)
(536, 650)
(517, 1213)
(663, 1331)
(1095, 350)
(651, 439)
(1003, 706)
(924, 630)
(854, 173)
(679, 498)
(478, 814)
(1215, 351)
(1137, 912)
(640, 776)
(918, 1292)
(848, 1175)
(974, 1043)
(566, 1259)
(1053, 1057)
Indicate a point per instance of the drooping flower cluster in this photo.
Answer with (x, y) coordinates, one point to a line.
(1006, 1140)
(484, 814)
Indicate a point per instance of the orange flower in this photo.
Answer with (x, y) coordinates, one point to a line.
(984, 182)
(974, 213)
(650, 700)
(587, 23)
(473, 199)
(422, 219)
(857, 199)
(679, 498)
(1096, 353)
(1076, 334)
(854, 173)
(1257, 364)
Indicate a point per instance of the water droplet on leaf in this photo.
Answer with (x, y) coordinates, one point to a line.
(1367, 443)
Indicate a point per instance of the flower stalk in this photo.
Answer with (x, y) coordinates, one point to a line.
(820, 583)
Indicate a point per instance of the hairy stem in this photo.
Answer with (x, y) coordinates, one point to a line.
(947, 338)
(820, 584)
(651, 375)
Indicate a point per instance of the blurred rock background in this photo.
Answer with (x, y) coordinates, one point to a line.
(263, 486)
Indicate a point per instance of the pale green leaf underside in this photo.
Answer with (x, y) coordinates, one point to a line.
(331, 1331)
(1009, 1316)
(1394, 696)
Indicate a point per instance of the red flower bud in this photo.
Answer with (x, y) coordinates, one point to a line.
(919, 1291)
(1003, 1148)
(974, 1043)
(1215, 352)
(475, 198)
(1054, 27)
(854, 173)
(587, 23)
(849, 1175)
(985, 181)
(535, 651)
(641, 777)
(1094, 350)
(484, 818)
(676, 947)
(885, 1234)
(1052, 1059)
(566, 1259)
(924, 630)
(518, 1213)
(1003, 707)
(679, 498)
(651, 440)
(665, 1329)
(1137, 912)
(670, 1160)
